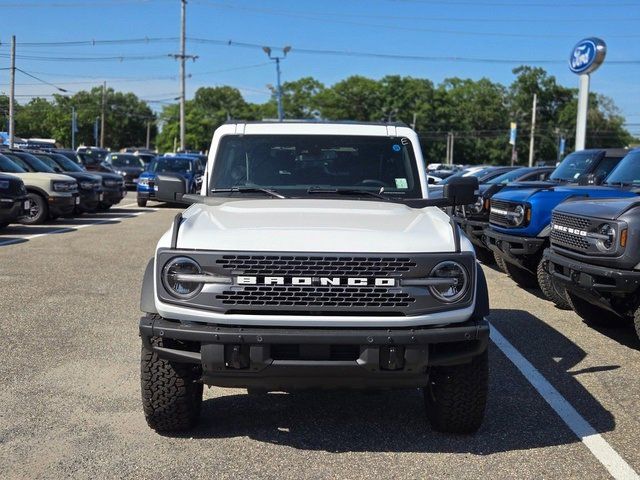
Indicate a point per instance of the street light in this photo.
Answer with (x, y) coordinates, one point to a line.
(285, 50)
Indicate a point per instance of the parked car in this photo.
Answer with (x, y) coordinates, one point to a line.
(595, 255)
(14, 202)
(189, 168)
(50, 195)
(89, 186)
(482, 173)
(112, 183)
(473, 219)
(520, 224)
(128, 165)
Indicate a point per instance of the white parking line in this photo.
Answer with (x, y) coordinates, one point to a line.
(71, 228)
(598, 446)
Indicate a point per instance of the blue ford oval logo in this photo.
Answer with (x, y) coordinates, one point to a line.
(587, 55)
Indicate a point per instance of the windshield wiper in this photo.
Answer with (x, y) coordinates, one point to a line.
(347, 191)
(267, 191)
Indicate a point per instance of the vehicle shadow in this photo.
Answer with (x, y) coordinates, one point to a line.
(517, 418)
(18, 233)
(623, 334)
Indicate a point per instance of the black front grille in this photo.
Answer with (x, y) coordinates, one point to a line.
(316, 265)
(569, 240)
(570, 221)
(315, 297)
(501, 205)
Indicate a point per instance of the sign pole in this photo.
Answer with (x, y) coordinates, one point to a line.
(583, 108)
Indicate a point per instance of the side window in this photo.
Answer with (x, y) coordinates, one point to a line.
(606, 165)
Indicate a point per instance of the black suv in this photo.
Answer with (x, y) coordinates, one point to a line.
(14, 202)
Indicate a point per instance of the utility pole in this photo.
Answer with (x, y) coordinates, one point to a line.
(104, 104)
(148, 134)
(285, 50)
(182, 56)
(74, 127)
(533, 129)
(12, 92)
(413, 124)
(450, 139)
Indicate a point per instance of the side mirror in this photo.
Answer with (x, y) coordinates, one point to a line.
(172, 188)
(461, 191)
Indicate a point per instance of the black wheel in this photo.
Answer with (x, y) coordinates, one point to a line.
(500, 262)
(485, 256)
(171, 392)
(38, 210)
(142, 202)
(521, 276)
(103, 207)
(636, 322)
(551, 288)
(456, 396)
(595, 315)
(3, 225)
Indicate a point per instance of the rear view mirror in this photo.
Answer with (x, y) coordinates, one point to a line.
(461, 191)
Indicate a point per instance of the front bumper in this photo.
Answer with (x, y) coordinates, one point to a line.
(63, 205)
(13, 208)
(474, 229)
(513, 249)
(90, 199)
(292, 358)
(146, 195)
(583, 276)
(113, 197)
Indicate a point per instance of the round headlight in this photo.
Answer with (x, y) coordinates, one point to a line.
(453, 290)
(610, 232)
(176, 287)
(518, 215)
(478, 206)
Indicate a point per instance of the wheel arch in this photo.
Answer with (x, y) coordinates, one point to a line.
(147, 295)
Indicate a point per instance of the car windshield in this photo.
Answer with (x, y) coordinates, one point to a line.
(509, 176)
(30, 163)
(50, 162)
(61, 162)
(574, 165)
(125, 161)
(300, 163)
(627, 171)
(178, 165)
(9, 166)
(96, 154)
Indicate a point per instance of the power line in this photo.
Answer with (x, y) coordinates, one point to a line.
(120, 58)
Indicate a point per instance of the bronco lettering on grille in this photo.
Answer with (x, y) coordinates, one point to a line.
(573, 231)
(322, 281)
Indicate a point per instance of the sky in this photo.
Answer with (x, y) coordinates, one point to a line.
(437, 38)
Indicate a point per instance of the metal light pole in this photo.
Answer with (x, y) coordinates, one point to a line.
(74, 127)
(285, 50)
(533, 129)
(12, 92)
(102, 114)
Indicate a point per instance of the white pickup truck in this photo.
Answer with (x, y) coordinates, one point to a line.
(313, 258)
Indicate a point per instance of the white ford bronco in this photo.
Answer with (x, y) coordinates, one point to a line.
(313, 258)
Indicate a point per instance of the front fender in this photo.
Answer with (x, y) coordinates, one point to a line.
(147, 300)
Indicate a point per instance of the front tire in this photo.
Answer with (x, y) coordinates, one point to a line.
(171, 391)
(521, 276)
(142, 202)
(485, 256)
(500, 262)
(456, 396)
(551, 288)
(595, 315)
(38, 210)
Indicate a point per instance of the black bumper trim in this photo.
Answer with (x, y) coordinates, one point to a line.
(421, 347)
(474, 229)
(577, 274)
(511, 247)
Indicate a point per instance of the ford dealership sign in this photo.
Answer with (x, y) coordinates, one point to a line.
(587, 55)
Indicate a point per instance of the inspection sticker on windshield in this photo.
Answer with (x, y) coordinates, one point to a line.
(401, 183)
(396, 147)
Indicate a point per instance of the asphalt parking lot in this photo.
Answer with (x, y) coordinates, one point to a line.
(564, 398)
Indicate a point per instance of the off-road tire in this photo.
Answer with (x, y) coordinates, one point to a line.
(521, 276)
(485, 256)
(500, 262)
(636, 321)
(39, 204)
(595, 315)
(456, 396)
(551, 288)
(142, 202)
(171, 392)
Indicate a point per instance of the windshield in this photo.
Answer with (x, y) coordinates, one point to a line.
(298, 163)
(509, 176)
(8, 166)
(574, 165)
(59, 163)
(171, 165)
(49, 162)
(30, 163)
(627, 171)
(125, 161)
(96, 154)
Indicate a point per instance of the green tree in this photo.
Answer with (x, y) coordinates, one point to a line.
(355, 98)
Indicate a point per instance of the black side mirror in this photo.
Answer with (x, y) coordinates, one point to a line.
(172, 188)
(461, 191)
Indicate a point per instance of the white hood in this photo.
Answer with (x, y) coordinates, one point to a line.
(294, 225)
(42, 176)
